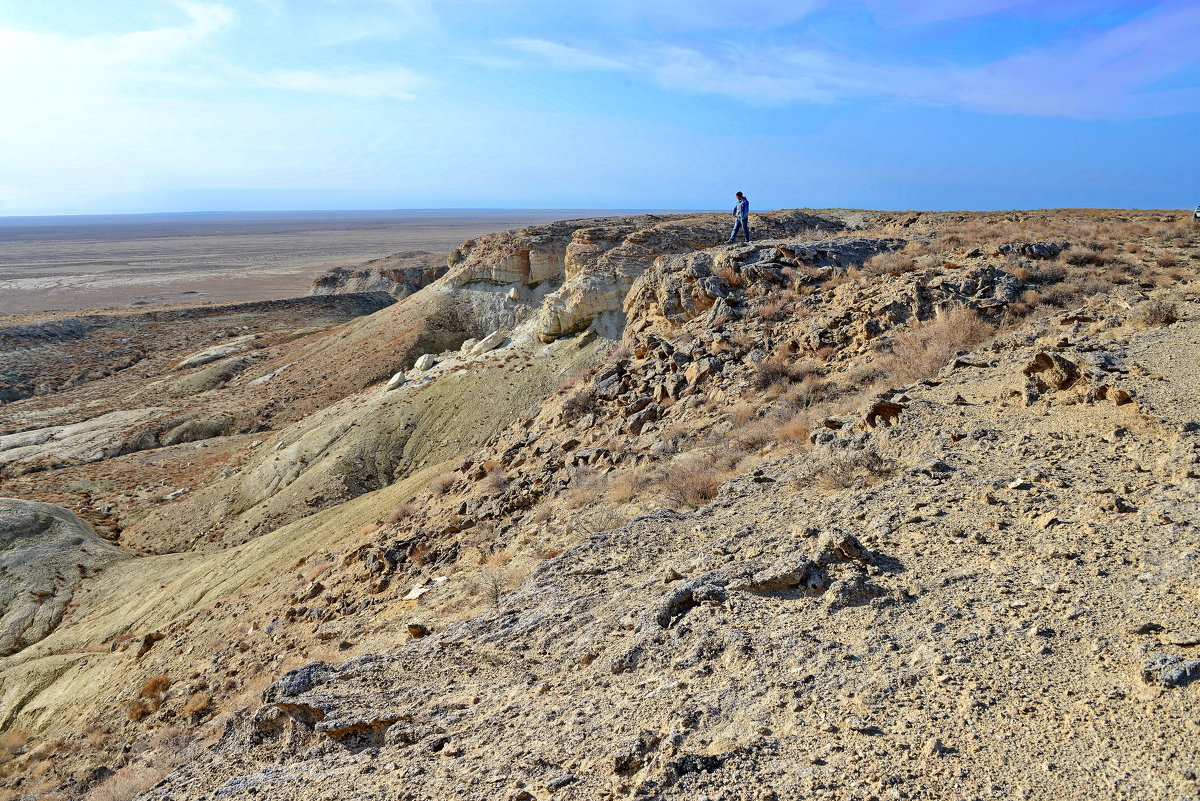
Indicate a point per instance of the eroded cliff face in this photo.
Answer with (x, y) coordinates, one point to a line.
(399, 275)
(814, 501)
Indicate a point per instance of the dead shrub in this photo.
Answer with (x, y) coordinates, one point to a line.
(690, 482)
(1165, 260)
(197, 705)
(732, 276)
(753, 437)
(442, 484)
(497, 480)
(848, 469)
(1047, 273)
(494, 582)
(138, 710)
(627, 485)
(796, 429)
(922, 352)
(891, 263)
(775, 370)
(770, 310)
(1089, 256)
(128, 782)
(580, 403)
(400, 513)
(155, 686)
(741, 414)
(811, 390)
(1158, 311)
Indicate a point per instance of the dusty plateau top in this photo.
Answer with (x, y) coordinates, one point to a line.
(879, 505)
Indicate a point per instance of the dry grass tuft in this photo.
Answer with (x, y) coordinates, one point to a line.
(690, 482)
(580, 403)
(858, 468)
(128, 782)
(890, 263)
(1158, 311)
(400, 513)
(197, 705)
(155, 686)
(138, 710)
(442, 484)
(921, 353)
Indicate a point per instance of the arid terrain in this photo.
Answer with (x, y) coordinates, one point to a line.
(89, 262)
(881, 505)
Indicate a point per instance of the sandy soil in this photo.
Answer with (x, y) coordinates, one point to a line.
(75, 263)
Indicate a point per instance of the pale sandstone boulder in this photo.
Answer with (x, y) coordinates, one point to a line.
(424, 362)
(490, 342)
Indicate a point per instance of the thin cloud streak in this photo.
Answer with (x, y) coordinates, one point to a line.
(1105, 77)
(396, 83)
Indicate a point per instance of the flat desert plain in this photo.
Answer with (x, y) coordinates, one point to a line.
(89, 262)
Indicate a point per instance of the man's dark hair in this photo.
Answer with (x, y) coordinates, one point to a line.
(739, 194)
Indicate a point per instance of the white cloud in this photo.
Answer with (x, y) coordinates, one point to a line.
(564, 57)
(1105, 75)
(396, 83)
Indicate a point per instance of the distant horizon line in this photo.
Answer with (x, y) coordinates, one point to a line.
(8, 218)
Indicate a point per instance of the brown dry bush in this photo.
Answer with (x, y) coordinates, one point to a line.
(892, 262)
(197, 705)
(849, 469)
(1091, 255)
(770, 310)
(1158, 311)
(580, 403)
(811, 390)
(128, 782)
(796, 429)
(741, 414)
(138, 710)
(732, 276)
(627, 485)
(400, 513)
(922, 352)
(1165, 260)
(1049, 272)
(155, 686)
(442, 484)
(690, 482)
(753, 436)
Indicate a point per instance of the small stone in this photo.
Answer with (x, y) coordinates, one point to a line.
(424, 362)
(395, 381)
(417, 630)
(933, 747)
(561, 781)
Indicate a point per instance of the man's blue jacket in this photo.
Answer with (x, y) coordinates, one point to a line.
(741, 209)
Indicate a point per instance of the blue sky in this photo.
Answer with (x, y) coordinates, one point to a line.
(162, 105)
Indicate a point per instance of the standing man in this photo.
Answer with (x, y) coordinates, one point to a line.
(741, 219)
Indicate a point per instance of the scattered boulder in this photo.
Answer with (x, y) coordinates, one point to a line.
(1170, 671)
(489, 342)
(395, 381)
(1032, 250)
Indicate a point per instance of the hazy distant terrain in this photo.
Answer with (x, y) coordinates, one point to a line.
(85, 262)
